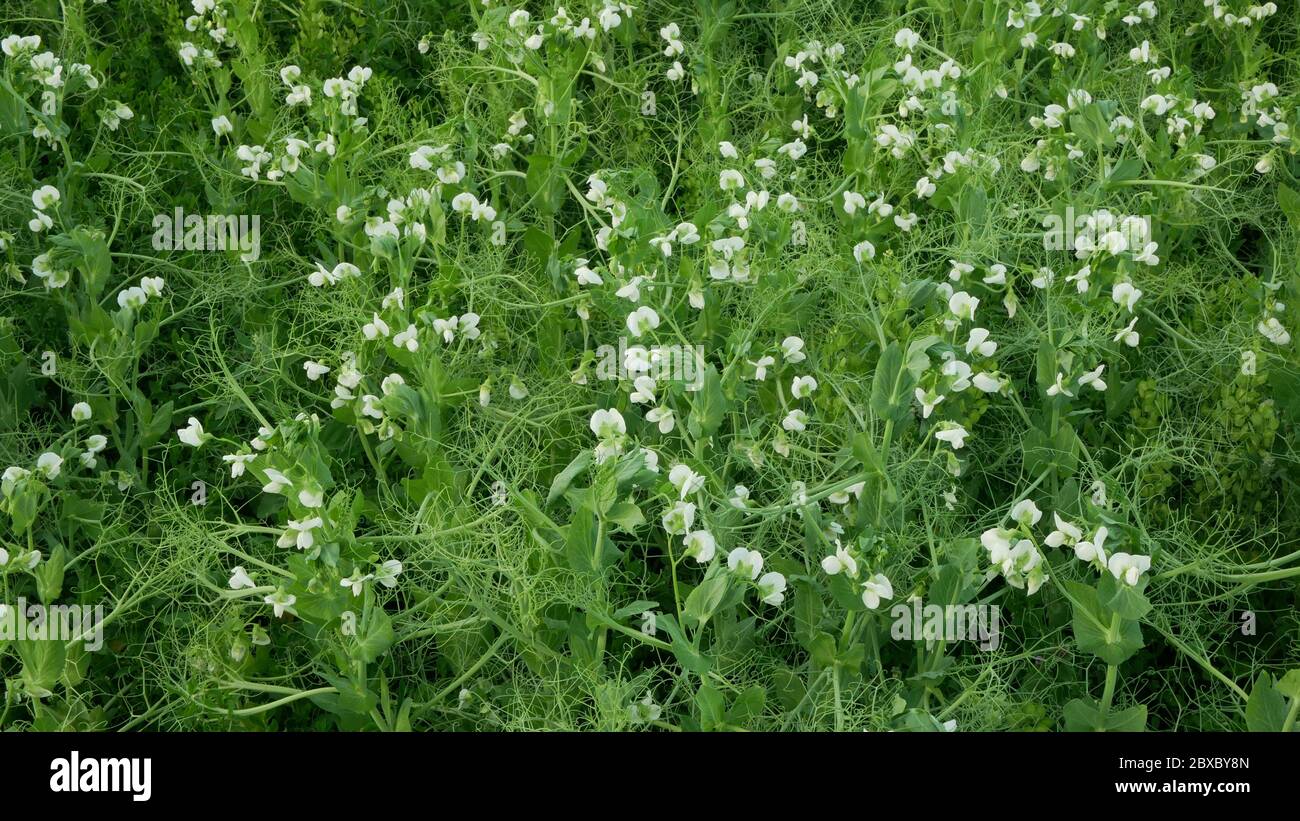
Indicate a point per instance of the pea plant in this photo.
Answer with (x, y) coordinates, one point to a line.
(921, 365)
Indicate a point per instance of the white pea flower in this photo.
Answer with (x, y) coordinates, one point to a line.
(761, 365)
(1094, 549)
(1093, 378)
(1147, 255)
(927, 400)
(356, 581)
(701, 546)
(840, 562)
(679, 518)
(1058, 387)
(1064, 534)
(608, 424)
(864, 251)
(739, 497)
(642, 320)
(275, 481)
(1125, 295)
(952, 433)
(1273, 331)
(645, 711)
(979, 342)
(1128, 568)
(795, 421)
(963, 305)
(745, 562)
(731, 180)
(643, 390)
(81, 412)
(281, 602)
(986, 382)
(685, 480)
(802, 387)
(152, 286)
(905, 38)
(876, 589)
(299, 533)
(663, 417)
(792, 350)
(375, 328)
(1127, 335)
(1026, 513)
(771, 588)
(50, 463)
(407, 339)
(193, 434)
(387, 573)
(239, 579)
(853, 201)
(315, 370)
(238, 463)
(45, 197)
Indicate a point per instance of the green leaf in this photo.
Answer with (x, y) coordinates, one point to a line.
(1289, 201)
(43, 662)
(1042, 452)
(972, 208)
(157, 425)
(709, 406)
(49, 575)
(636, 608)
(1132, 720)
(1045, 363)
(565, 477)
(374, 636)
(1084, 715)
(543, 183)
(889, 388)
(1125, 170)
(539, 243)
(1121, 598)
(580, 541)
(705, 599)
(917, 360)
(1093, 625)
(1266, 708)
(690, 658)
(626, 515)
(864, 450)
(823, 650)
(845, 591)
(1090, 125)
(711, 706)
(1289, 685)
(747, 706)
